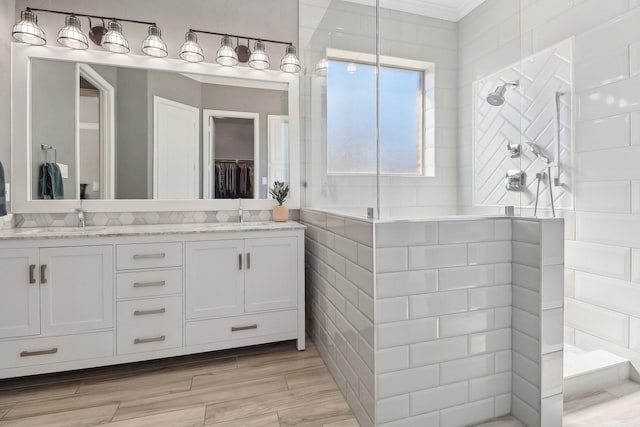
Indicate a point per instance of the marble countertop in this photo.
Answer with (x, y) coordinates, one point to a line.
(144, 230)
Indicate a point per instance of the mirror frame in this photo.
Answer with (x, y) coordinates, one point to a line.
(21, 176)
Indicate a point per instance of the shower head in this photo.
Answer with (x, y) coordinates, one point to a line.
(496, 98)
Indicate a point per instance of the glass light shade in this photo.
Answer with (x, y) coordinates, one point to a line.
(153, 45)
(27, 30)
(226, 56)
(290, 63)
(322, 66)
(259, 59)
(114, 40)
(71, 35)
(191, 50)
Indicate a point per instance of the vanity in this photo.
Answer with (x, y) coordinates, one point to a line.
(73, 298)
(164, 159)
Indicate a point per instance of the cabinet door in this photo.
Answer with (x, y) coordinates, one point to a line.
(214, 279)
(271, 274)
(19, 293)
(77, 291)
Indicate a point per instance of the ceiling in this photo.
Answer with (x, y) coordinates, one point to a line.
(450, 10)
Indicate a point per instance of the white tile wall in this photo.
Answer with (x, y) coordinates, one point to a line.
(459, 299)
(606, 57)
(340, 289)
(444, 349)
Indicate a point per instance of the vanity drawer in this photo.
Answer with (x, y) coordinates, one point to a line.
(149, 255)
(242, 327)
(148, 283)
(46, 350)
(150, 324)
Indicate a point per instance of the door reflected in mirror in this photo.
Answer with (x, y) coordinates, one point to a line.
(130, 133)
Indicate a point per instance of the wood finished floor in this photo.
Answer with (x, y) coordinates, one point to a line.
(264, 386)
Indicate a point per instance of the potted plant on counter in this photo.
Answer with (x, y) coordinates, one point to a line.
(279, 192)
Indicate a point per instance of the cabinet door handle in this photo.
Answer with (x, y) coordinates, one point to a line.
(147, 284)
(39, 352)
(145, 312)
(239, 261)
(248, 260)
(244, 328)
(32, 274)
(148, 340)
(149, 256)
(43, 274)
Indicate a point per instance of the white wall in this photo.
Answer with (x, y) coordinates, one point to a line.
(603, 247)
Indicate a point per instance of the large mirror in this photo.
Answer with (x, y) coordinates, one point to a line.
(100, 130)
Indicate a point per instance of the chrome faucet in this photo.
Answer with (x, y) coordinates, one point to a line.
(240, 213)
(81, 217)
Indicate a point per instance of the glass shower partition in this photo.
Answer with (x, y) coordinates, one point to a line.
(339, 106)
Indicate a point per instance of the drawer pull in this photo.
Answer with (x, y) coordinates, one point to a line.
(244, 328)
(150, 256)
(43, 274)
(239, 261)
(32, 274)
(148, 284)
(148, 340)
(145, 312)
(39, 352)
(248, 260)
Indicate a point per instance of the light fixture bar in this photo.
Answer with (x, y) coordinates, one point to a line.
(241, 37)
(90, 16)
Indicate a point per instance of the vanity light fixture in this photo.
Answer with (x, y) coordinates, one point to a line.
(153, 45)
(71, 35)
(114, 41)
(258, 59)
(28, 31)
(191, 50)
(322, 66)
(226, 56)
(290, 63)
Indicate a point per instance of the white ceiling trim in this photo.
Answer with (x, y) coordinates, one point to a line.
(449, 10)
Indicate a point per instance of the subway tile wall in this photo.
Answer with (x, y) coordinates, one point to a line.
(603, 247)
(467, 317)
(443, 322)
(339, 275)
(537, 330)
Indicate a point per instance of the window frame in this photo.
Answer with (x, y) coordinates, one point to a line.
(428, 131)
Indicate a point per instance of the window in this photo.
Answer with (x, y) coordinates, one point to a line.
(351, 119)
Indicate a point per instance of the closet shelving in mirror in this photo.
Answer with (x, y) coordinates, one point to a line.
(110, 37)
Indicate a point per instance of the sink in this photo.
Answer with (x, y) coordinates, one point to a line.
(58, 230)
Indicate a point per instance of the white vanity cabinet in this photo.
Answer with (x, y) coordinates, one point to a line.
(233, 279)
(80, 302)
(56, 305)
(53, 291)
(19, 293)
(76, 289)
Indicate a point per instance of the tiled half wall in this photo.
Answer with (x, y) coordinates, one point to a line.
(439, 323)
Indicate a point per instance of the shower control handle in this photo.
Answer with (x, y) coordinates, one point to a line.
(515, 180)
